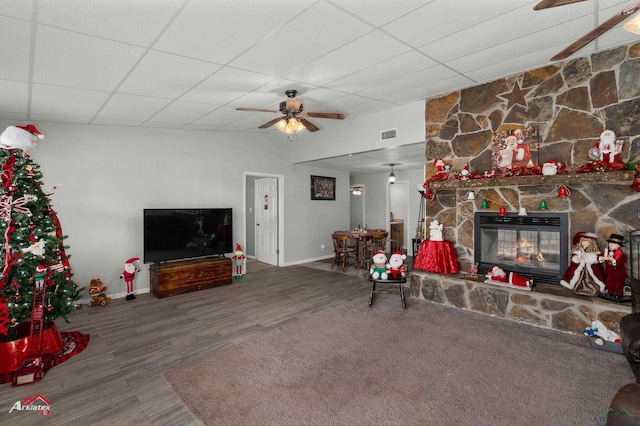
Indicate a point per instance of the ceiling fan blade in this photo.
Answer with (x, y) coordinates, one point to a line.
(270, 123)
(333, 115)
(256, 110)
(546, 4)
(596, 32)
(309, 125)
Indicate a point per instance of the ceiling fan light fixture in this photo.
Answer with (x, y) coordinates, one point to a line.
(633, 26)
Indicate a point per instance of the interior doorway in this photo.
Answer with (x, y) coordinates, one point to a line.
(398, 209)
(263, 226)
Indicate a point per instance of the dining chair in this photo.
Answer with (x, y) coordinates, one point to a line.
(378, 241)
(342, 250)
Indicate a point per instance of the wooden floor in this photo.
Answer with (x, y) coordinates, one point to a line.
(118, 379)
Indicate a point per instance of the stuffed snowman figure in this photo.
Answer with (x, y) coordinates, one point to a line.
(378, 270)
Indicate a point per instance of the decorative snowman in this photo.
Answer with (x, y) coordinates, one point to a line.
(378, 269)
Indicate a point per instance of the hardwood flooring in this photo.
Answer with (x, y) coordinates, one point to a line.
(118, 380)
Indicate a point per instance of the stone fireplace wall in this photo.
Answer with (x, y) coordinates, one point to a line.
(571, 103)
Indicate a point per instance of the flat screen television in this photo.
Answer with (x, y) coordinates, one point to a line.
(174, 234)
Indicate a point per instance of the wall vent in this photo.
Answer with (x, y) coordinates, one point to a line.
(385, 135)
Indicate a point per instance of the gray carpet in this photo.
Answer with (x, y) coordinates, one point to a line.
(428, 365)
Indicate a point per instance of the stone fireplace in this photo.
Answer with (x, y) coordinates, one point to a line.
(534, 245)
(571, 102)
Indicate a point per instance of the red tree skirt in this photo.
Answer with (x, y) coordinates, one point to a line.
(437, 256)
(56, 348)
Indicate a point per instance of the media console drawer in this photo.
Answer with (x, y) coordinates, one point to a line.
(172, 278)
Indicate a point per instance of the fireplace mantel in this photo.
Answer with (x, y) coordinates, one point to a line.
(564, 179)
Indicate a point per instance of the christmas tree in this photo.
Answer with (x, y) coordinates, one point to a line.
(32, 253)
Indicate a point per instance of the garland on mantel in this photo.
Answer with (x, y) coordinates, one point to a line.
(588, 167)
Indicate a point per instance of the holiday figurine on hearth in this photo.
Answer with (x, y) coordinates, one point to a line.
(584, 275)
(35, 275)
(239, 259)
(129, 275)
(615, 272)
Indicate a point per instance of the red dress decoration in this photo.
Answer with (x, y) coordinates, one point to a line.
(437, 256)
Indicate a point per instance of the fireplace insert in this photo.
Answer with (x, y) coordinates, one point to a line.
(535, 246)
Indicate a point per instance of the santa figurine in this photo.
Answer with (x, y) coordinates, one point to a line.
(609, 148)
(23, 138)
(129, 274)
(239, 259)
(395, 267)
(440, 165)
(496, 273)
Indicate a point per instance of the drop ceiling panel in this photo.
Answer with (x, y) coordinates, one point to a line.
(226, 85)
(15, 44)
(220, 31)
(360, 54)
(380, 12)
(391, 69)
(181, 113)
(307, 37)
(74, 60)
(179, 75)
(67, 101)
(137, 22)
(131, 107)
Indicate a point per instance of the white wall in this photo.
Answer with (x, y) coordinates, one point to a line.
(107, 175)
(361, 134)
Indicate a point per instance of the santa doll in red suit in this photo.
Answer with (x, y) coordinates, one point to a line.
(608, 147)
(584, 275)
(614, 266)
(129, 274)
(497, 274)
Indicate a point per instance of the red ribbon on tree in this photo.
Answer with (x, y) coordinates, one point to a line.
(7, 171)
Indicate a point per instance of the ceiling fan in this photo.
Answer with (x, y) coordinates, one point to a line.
(591, 35)
(294, 118)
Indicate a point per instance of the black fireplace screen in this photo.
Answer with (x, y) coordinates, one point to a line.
(535, 245)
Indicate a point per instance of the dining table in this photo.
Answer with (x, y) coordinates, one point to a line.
(360, 237)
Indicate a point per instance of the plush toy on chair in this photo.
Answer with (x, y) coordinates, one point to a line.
(396, 269)
(378, 270)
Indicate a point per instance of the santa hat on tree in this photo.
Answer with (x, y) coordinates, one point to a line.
(32, 129)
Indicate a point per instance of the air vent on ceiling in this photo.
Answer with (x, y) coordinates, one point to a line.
(385, 135)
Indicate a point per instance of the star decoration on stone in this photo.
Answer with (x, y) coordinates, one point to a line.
(516, 96)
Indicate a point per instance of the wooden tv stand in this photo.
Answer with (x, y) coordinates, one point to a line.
(172, 278)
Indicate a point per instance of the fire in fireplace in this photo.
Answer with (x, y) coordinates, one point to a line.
(535, 246)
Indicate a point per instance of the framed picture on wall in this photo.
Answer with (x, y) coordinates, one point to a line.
(323, 188)
(515, 147)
